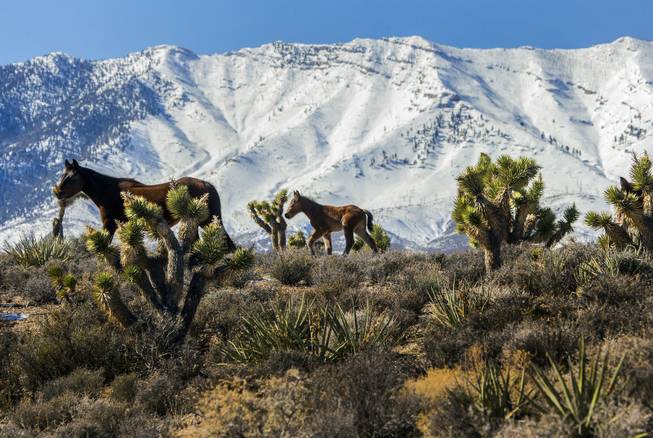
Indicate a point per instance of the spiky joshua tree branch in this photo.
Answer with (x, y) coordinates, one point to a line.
(499, 203)
(197, 257)
(632, 224)
(269, 216)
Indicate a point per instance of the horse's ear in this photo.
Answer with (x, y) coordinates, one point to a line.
(67, 164)
(295, 193)
(75, 164)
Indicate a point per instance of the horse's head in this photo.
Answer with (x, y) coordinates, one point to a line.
(295, 205)
(71, 181)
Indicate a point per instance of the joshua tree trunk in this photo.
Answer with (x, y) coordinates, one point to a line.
(492, 254)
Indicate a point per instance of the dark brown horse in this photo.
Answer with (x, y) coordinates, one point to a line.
(105, 192)
(326, 219)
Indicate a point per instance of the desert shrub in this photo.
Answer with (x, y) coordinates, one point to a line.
(71, 338)
(576, 398)
(463, 267)
(611, 264)
(10, 386)
(600, 320)
(336, 274)
(637, 365)
(541, 340)
(81, 381)
(292, 268)
(32, 284)
(45, 414)
(614, 289)
(453, 416)
(544, 426)
(94, 418)
(264, 407)
(220, 312)
(623, 418)
(540, 270)
(368, 386)
(124, 387)
(379, 268)
(161, 394)
(32, 251)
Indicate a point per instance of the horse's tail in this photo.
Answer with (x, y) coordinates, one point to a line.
(369, 220)
(215, 209)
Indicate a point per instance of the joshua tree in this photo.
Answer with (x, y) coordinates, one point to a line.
(632, 223)
(380, 237)
(161, 276)
(269, 216)
(499, 203)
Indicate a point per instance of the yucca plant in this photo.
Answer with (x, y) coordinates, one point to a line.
(64, 283)
(450, 307)
(380, 237)
(172, 279)
(499, 203)
(327, 334)
(576, 397)
(269, 216)
(498, 393)
(358, 330)
(32, 251)
(632, 224)
(611, 263)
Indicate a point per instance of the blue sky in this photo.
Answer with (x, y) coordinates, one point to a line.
(102, 29)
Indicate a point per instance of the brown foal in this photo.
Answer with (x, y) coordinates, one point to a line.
(327, 219)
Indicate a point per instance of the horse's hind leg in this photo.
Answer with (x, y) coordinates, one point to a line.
(313, 237)
(362, 233)
(327, 243)
(349, 238)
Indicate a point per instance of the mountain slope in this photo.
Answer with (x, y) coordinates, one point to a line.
(386, 124)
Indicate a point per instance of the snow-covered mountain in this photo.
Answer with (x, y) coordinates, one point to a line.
(386, 124)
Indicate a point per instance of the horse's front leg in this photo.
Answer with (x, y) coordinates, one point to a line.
(108, 222)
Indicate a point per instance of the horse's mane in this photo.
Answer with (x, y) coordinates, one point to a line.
(310, 201)
(87, 172)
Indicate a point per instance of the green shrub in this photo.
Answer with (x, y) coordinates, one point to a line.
(297, 240)
(32, 251)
